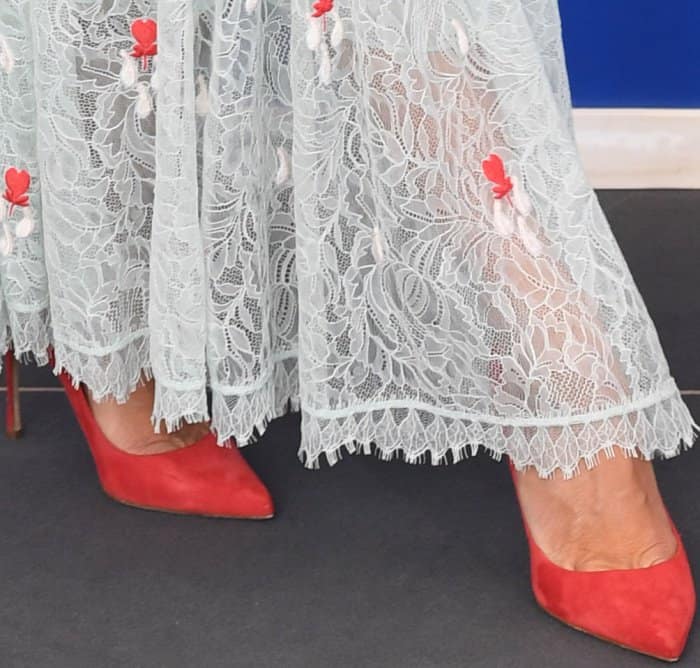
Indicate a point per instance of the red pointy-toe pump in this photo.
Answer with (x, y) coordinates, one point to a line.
(201, 479)
(647, 610)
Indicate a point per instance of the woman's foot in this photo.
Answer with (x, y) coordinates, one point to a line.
(609, 517)
(128, 425)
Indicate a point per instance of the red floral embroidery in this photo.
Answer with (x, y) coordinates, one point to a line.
(495, 172)
(17, 182)
(322, 7)
(145, 32)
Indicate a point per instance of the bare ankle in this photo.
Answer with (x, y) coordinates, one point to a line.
(610, 516)
(128, 425)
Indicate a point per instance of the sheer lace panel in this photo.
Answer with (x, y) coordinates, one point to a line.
(371, 212)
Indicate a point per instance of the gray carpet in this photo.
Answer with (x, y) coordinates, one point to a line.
(368, 564)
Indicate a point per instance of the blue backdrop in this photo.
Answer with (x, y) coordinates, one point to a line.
(633, 53)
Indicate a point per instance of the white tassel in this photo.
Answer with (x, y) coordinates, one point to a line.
(283, 169)
(338, 31)
(129, 73)
(155, 77)
(144, 104)
(532, 243)
(377, 245)
(25, 226)
(324, 69)
(202, 102)
(7, 58)
(520, 198)
(462, 38)
(502, 219)
(314, 34)
(250, 6)
(6, 241)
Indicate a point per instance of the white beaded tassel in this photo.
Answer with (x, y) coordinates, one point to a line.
(155, 77)
(462, 39)
(129, 73)
(502, 219)
(314, 33)
(7, 58)
(25, 226)
(201, 102)
(144, 103)
(520, 198)
(529, 238)
(6, 241)
(377, 245)
(324, 68)
(283, 168)
(338, 32)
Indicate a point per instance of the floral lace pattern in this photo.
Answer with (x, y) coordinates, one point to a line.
(371, 212)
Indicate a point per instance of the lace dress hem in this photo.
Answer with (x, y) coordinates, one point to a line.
(662, 429)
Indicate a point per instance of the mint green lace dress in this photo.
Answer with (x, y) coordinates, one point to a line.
(370, 212)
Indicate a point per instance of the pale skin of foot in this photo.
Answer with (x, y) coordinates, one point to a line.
(609, 517)
(128, 425)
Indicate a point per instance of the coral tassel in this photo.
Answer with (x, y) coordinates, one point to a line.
(13, 421)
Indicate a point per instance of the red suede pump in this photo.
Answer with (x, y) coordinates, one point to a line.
(647, 610)
(200, 479)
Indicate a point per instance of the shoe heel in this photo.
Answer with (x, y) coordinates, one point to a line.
(13, 418)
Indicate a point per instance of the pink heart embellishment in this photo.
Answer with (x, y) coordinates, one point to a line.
(494, 168)
(17, 182)
(495, 171)
(145, 32)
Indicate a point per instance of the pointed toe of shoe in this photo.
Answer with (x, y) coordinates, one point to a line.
(241, 493)
(253, 501)
(648, 610)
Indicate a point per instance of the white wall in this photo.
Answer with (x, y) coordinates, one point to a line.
(640, 148)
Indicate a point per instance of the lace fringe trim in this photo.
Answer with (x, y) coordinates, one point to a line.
(173, 407)
(245, 417)
(28, 333)
(649, 428)
(111, 373)
(664, 429)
